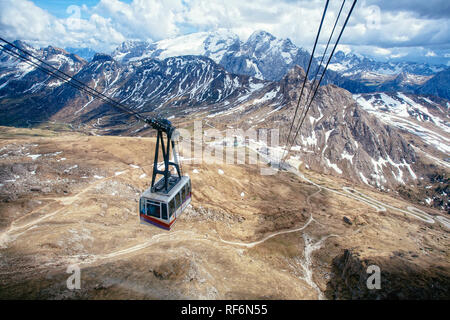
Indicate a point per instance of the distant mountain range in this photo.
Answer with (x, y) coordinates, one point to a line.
(352, 64)
(268, 58)
(392, 76)
(262, 56)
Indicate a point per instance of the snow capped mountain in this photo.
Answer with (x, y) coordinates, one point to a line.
(209, 44)
(262, 56)
(351, 64)
(175, 85)
(425, 122)
(130, 50)
(184, 83)
(266, 57)
(427, 119)
(363, 75)
(17, 77)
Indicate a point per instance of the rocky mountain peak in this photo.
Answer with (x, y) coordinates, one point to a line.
(260, 36)
(439, 85)
(23, 45)
(295, 74)
(131, 44)
(339, 55)
(53, 50)
(102, 57)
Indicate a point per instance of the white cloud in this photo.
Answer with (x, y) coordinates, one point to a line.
(382, 51)
(143, 20)
(22, 19)
(382, 26)
(344, 48)
(397, 55)
(430, 54)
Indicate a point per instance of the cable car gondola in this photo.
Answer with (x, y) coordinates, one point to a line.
(161, 209)
(165, 200)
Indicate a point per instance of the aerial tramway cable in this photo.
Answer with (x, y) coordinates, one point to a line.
(83, 88)
(66, 78)
(313, 81)
(307, 71)
(308, 105)
(326, 67)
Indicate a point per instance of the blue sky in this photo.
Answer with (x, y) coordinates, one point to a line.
(414, 30)
(58, 8)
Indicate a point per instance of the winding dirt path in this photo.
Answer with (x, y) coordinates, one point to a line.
(378, 205)
(252, 244)
(412, 211)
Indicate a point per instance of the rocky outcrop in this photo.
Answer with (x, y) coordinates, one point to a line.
(439, 85)
(342, 139)
(400, 278)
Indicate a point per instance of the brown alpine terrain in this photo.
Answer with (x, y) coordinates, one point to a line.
(71, 198)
